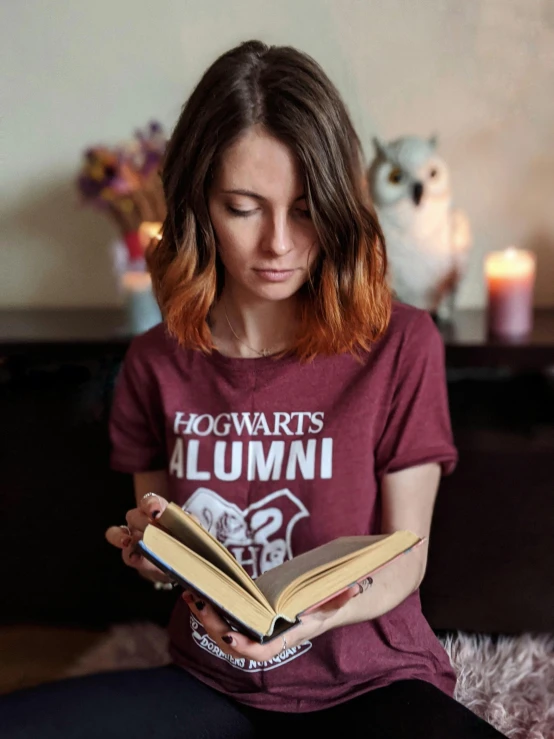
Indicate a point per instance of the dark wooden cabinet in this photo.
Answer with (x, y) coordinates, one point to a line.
(491, 566)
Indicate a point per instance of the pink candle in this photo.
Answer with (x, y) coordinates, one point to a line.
(510, 280)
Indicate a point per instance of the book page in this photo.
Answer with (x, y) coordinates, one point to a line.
(323, 582)
(207, 580)
(187, 530)
(273, 582)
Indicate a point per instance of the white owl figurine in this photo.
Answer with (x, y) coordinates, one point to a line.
(428, 241)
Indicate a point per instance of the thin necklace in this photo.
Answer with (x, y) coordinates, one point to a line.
(261, 353)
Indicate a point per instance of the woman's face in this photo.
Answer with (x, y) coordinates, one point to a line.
(265, 235)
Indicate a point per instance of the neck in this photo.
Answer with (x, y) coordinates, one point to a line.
(262, 326)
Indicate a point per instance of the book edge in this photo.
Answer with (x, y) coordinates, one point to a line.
(230, 618)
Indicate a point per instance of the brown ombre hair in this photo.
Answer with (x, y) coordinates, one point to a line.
(345, 305)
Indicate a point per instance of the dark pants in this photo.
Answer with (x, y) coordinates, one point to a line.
(167, 703)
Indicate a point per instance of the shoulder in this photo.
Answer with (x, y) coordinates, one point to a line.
(412, 328)
(153, 348)
(155, 338)
(411, 341)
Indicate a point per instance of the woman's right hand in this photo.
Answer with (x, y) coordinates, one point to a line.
(126, 537)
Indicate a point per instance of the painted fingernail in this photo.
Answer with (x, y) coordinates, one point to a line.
(365, 584)
(199, 605)
(125, 541)
(227, 639)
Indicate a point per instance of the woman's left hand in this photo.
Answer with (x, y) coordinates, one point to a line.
(314, 623)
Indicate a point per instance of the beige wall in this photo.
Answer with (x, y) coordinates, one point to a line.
(76, 72)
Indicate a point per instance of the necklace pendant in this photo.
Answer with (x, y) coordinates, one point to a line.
(259, 352)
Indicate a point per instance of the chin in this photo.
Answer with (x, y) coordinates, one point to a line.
(275, 291)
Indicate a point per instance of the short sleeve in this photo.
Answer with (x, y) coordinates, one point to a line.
(417, 429)
(137, 431)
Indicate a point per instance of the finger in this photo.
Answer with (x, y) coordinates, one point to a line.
(118, 536)
(152, 505)
(206, 613)
(231, 642)
(144, 567)
(245, 647)
(216, 627)
(137, 520)
(341, 599)
(134, 559)
(365, 585)
(335, 603)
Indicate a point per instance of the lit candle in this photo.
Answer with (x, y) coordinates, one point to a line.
(510, 281)
(141, 308)
(150, 231)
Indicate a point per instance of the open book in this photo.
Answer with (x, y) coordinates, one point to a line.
(274, 602)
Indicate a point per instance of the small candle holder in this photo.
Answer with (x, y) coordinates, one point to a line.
(510, 276)
(140, 306)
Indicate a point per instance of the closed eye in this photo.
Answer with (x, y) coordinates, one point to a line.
(302, 212)
(240, 213)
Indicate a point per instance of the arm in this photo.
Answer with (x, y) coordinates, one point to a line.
(146, 482)
(408, 498)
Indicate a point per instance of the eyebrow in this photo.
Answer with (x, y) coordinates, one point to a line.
(255, 195)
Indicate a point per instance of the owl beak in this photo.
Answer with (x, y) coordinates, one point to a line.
(417, 193)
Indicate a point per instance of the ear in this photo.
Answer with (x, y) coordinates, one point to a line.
(380, 148)
(433, 141)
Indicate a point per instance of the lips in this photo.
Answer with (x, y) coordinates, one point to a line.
(274, 275)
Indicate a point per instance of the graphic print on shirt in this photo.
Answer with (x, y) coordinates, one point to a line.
(279, 447)
(259, 537)
(195, 455)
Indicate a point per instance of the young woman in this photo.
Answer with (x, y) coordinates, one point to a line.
(285, 402)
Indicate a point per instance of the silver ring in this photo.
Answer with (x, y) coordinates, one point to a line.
(284, 649)
(150, 495)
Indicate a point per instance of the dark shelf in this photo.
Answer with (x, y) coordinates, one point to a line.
(67, 329)
(77, 329)
(468, 343)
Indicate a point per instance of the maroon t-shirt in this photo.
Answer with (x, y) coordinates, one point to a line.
(276, 457)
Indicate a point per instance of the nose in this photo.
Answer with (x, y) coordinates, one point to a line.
(417, 192)
(278, 239)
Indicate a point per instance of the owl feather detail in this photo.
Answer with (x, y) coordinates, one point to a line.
(428, 241)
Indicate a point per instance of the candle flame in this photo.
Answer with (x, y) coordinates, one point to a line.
(510, 263)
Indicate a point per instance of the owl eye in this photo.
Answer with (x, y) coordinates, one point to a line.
(433, 172)
(395, 176)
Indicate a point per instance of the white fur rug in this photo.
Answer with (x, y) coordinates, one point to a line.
(510, 682)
